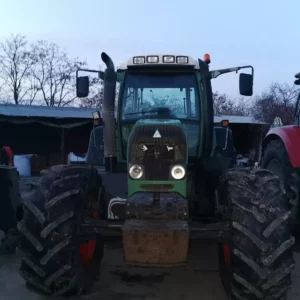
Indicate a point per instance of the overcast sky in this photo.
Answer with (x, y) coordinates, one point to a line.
(263, 33)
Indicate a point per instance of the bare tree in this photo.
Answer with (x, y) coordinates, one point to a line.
(223, 105)
(226, 106)
(285, 97)
(2, 90)
(278, 101)
(15, 64)
(33, 90)
(95, 101)
(54, 73)
(242, 107)
(220, 103)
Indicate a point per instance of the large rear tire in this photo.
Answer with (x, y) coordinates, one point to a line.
(258, 260)
(54, 260)
(276, 159)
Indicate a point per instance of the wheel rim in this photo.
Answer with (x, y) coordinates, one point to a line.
(87, 250)
(275, 166)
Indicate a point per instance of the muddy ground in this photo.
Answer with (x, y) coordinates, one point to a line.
(198, 280)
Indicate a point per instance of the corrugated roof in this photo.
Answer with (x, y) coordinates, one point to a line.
(12, 110)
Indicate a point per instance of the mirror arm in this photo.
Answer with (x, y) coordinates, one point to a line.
(100, 73)
(216, 73)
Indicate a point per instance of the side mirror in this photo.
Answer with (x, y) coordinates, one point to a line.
(246, 84)
(82, 86)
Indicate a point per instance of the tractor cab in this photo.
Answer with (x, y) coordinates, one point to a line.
(160, 87)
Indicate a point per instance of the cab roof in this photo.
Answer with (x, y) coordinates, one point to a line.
(130, 63)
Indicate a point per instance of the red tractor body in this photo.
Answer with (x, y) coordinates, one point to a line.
(290, 137)
(281, 155)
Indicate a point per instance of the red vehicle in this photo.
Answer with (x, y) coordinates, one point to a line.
(6, 156)
(281, 154)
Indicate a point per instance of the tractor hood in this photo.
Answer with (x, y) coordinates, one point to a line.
(157, 145)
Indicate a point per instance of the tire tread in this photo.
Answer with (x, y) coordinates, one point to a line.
(49, 243)
(262, 258)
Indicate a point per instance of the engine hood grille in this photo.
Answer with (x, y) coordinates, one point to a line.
(157, 147)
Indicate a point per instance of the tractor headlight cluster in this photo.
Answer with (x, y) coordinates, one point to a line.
(178, 172)
(155, 59)
(139, 60)
(152, 59)
(136, 172)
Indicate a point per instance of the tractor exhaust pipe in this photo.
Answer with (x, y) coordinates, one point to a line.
(108, 114)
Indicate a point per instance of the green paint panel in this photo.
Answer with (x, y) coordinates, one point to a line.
(167, 186)
(142, 122)
(178, 186)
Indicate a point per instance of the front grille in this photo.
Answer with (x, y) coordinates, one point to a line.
(157, 155)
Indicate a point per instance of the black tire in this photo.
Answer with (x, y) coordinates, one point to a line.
(276, 159)
(260, 247)
(50, 239)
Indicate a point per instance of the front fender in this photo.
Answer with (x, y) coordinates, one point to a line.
(290, 136)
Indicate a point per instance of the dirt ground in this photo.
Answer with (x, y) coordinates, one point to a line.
(120, 283)
(198, 280)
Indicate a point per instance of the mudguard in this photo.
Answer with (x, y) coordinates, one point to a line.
(224, 142)
(290, 136)
(95, 155)
(10, 199)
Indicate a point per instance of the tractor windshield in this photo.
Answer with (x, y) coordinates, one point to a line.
(161, 95)
(146, 94)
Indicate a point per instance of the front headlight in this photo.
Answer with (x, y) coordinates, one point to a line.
(178, 172)
(136, 172)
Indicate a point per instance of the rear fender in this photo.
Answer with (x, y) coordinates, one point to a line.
(95, 155)
(290, 136)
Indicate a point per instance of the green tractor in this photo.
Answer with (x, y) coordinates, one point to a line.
(169, 177)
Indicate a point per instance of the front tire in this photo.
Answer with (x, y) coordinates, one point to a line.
(258, 260)
(52, 258)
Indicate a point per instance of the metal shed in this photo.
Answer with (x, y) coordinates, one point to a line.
(248, 134)
(45, 131)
